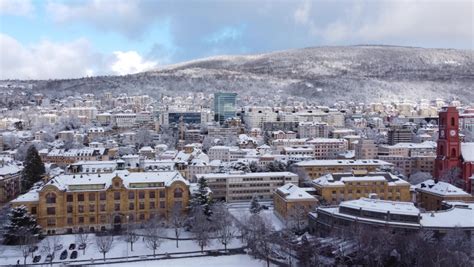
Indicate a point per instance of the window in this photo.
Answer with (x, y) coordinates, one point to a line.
(162, 205)
(80, 197)
(69, 198)
(152, 205)
(91, 196)
(178, 192)
(116, 184)
(131, 206)
(102, 207)
(142, 205)
(103, 219)
(69, 221)
(51, 210)
(131, 195)
(141, 194)
(81, 219)
(51, 221)
(152, 194)
(162, 194)
(102, 195)
(117, 195)
(91, 208)
(452, 121)
(69, 209)
(131, 218)
(80, 208)
(50, 198)
(91, 219)
(178, 204)
(117, 207)
(142, 216)
(33, 210)
(453, 152)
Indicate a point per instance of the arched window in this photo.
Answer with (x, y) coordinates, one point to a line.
(453, 153)
(178, 192)
(50, 198)
(452, 121)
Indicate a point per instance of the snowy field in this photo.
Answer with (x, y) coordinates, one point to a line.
(242, 210)
(221, 261)
(10, 254)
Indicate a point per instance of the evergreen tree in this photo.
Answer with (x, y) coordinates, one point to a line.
(33, 169)
(21, 224)
(255, 206)
(202, 198)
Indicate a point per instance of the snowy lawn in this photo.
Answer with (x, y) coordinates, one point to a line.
(221, 261)
(242, 210)
(10, 254)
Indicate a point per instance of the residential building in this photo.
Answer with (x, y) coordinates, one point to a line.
(291, 202)
(431, 194)
(241, 186)
(317, 168)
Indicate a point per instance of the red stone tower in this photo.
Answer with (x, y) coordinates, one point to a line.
(449, 150)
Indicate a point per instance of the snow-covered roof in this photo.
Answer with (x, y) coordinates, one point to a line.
(339, 179)
(467, 151)
(426, 145)
(239, 174)
(9, 169)
(293, 192)
(368, 162)
(440, 188)
(76, 182)
(377, 205)
(457, 216)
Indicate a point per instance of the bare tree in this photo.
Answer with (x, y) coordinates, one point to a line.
(152, 235)
(84, 240)
(260, 238)
(177, 221)
(104, 243)
(51, 245)
(453, 176)
(131, 236)
(225, 224)
(419, 177)
(297, 218)
(200, 228)
(27, 244)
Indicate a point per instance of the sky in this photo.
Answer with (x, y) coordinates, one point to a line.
(52, 39)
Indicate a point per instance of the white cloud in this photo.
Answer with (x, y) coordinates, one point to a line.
(130, 62)
(394, 21)
(49, 60)
(16, 7)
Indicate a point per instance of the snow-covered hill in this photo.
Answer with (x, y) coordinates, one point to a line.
(320, 74)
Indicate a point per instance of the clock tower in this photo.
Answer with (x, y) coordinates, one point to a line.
(448, 151)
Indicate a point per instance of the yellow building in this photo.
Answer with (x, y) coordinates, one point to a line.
(431, 194)
(337, 187)
(317, 168)
(99, 201)
(290, 200)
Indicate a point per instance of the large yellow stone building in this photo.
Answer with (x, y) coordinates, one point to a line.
(317, 168)
(337, 187)
(290, 200)
(99, 201)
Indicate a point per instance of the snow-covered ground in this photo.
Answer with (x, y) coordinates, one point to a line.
(10, 254)
(221, 261)
(242, 210)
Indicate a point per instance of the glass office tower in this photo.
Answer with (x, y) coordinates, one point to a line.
(224, 106)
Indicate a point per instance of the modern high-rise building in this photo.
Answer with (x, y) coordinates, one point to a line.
(224, 106)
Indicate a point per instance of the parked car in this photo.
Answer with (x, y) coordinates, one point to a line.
(63, 255)
(58, 247)
(72, 246)
(73, 255)
(33, 249)
(49, 258)
(37, 259)
(82, 246)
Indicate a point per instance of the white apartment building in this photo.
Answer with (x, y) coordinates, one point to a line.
(221, 153)
(313, 129)
(241, 186)
(125, 120)
(254, 117)
(90, 113)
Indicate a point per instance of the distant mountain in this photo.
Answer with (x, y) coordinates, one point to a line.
(320, 74)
